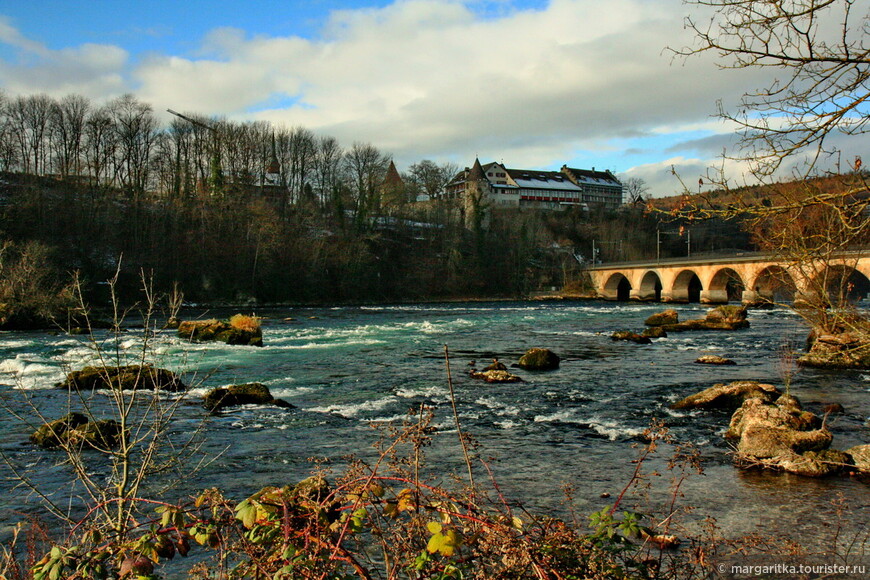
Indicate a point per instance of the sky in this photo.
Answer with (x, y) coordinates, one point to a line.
(534, 84)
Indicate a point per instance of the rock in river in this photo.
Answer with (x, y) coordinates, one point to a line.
(539, 359)
(220, 331)
(76, 429)
(245, 394)
(729, 396)
(127, 378)
(713, 359)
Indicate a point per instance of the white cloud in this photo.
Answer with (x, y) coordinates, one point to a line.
(429, 78)
(92, 70)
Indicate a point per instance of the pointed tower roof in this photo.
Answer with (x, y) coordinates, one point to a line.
(274, 166)
(476, 173)
(393, 179)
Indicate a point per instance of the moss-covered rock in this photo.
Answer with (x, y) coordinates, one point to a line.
(244, 394)
(628, 335)
(654, 332)
(129, 377)
(76, 429)
(669, 316)
(219, 331)
(53, 433)
(728, 397)
(539, 359)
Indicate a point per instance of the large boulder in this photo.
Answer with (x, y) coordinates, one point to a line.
(669, 316)
(127, 378)
(539, 359)
(76, 429)
(654, 332)
(759, 441)
(220, 331)
(245, 394)
(729, 396)
(727, 313)
(54, 432)
(783, 414)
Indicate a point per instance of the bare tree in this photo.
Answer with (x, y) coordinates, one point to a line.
(818, 50)
(818, 228)
(30, 117)
(431, 177)
(100, 144)
(636, 190)
(327, 169)
(67, 132)
(137, 131)
(366, 167)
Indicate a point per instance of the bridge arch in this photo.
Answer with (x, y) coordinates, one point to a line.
(687, 287)
(726, 285)
(842, 283)
(617, 287)
(649, 288)
(774, 284)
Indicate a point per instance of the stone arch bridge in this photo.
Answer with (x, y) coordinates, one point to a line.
(747, 277)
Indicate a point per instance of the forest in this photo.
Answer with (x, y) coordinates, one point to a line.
(251, 213)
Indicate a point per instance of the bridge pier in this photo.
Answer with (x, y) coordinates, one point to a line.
(714, 296)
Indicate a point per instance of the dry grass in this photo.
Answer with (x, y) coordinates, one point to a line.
(245, 322)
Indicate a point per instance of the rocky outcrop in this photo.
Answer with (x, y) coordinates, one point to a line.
(630, 336)
(539, 359)
(127, 378)
(846, 350)
(669, 316)
(496, 376)
(783, 436)
(77, 430)
(245, 394)
(219, 331)
(713, 359)
(729, 396)
(727, 317)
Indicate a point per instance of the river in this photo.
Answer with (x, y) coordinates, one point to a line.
(347, 369)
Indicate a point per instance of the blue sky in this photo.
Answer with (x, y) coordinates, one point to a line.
(532, 83)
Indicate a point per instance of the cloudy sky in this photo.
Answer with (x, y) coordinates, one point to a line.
(531, 83)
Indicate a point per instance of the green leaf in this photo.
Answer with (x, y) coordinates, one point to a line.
(434, 527)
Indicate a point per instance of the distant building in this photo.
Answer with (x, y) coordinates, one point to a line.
(499, 186)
